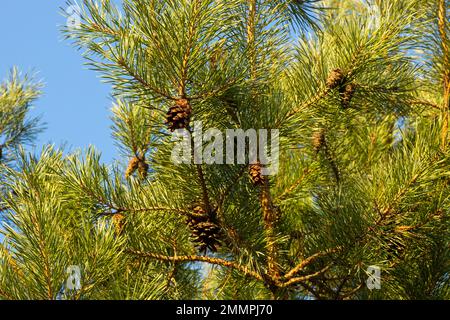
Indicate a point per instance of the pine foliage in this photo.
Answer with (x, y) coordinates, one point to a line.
(362, 109)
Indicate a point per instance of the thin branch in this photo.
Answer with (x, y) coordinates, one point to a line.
(213, 92)
(201, 179)
(425, 103)
(116, 209)
(193, 258)
(341, 286)
(386, 211)
(251, 35)
(138, 210)
(352, 292)
(294, 186)
(5, 295)
(322, 93)
(205, 195)
(187, 54)
(311, 290)
(121, 62)
(442, 21)
(230, 187)
(11, 261)
(301, 279)
(332, 162)
(138, 78)
(174, 267)
(309, 260)
(269, 218)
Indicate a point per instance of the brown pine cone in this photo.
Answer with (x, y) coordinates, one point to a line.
(347, 93)
(318, 140)
(255, 174)
(335, 78)
(179, 115)
(132, 166)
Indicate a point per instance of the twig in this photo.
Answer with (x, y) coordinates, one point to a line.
(138, 78)
(5, 295)
(193, 258)
(294, 186)
(301, 279)
(425, 103)
(442, 20)
(322, 93)
(269, 218)
(352, 292)
(308, 261)
(230, 187)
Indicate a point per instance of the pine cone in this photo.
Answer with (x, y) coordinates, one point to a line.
(205, 233)
(132, 167)
(255, 174)
(179, 115)
(335, 79)
(143, 169)
(318, 140)
(347, 93)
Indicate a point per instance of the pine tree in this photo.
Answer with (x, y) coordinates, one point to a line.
(361, 102)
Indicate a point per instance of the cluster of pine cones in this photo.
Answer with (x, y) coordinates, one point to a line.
(337, 79)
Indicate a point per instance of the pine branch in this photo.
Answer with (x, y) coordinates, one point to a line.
(269, 218)
(43, 250)
(296, 280)
(321, 94)
(308, 261)
(205, 195)
(121, 62)
(6, 295)
(402, 192)
(442, 17)
(11, 261)
(133, 142)
(332, 162)
(194, 258)
(311, 289)
(352, 292)
(324, 91)
(294, 186)
(425, 103)
(174, 267)
(341, 286)
(186, 57)
(212, 93)
(118, 210)
(230, 187)
(251, 36)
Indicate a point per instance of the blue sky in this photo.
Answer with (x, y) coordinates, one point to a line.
(75, 104)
